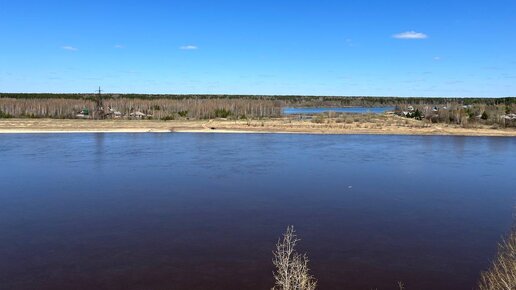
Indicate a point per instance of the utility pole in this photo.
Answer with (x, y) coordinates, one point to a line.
(99, 110)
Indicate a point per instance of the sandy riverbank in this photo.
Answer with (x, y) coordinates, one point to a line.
(388, 125)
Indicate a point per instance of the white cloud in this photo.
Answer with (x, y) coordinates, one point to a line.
(119, 46)
(188, 47)
(437, 58)
(410, 35)
(70, 48)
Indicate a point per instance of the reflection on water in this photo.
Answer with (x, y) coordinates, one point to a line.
(203, 211)
(99, 148)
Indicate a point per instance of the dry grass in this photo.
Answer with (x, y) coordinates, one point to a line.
(292, 272)
(384, 125)
(502, 273)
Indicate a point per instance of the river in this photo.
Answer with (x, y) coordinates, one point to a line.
(204, 211)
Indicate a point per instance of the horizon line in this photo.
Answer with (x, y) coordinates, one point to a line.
(265, 95)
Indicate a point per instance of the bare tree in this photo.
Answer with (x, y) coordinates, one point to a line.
(401, 286)
(502, 273)
(292, 272)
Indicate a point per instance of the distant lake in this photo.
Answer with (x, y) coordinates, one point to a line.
(204, 211)
(354, 110)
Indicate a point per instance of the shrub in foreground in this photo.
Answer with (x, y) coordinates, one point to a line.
(502, 273)
(292, 272)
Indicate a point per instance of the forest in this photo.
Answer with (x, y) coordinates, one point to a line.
(460, 111)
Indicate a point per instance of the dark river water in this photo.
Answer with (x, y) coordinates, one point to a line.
(204, 211)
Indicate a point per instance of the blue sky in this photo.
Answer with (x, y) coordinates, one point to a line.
(379, 48)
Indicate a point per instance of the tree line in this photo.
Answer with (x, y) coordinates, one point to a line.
(161, 109)
(460, 111)
(487, 113)
(287, 99)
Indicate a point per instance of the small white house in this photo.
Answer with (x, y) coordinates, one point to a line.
(138, 115)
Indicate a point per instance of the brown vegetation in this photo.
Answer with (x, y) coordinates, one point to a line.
(502, 273)
(463, 112)
(496, 115)
(292, 272)
(166, 109)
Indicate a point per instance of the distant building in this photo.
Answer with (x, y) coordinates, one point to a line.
(84, 114)
(510, 117)
(138, 115)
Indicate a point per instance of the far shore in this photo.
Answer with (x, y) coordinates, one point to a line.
(383, 125)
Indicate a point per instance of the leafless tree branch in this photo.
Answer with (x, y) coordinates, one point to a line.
(292, 272)
(502, 273)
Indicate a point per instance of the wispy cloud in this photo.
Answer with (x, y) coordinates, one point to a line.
(454, 82)
(119, 46)
(508, 76)
(410, 35)
(492, 67)
(70, 48)
(188, 47)
(349, 42)
(437, 58)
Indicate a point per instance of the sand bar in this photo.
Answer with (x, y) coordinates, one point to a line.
(391, 126)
